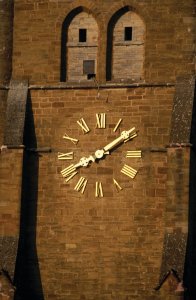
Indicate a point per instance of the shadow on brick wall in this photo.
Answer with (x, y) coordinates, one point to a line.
(27, 274)
(190, 262)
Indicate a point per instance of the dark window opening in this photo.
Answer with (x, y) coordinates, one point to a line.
(128, 34)
(88, 67)
(90, 76)
(82, 35)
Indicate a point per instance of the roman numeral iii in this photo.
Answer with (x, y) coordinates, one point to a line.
(81, 185)
(132, 154)
(69, 172)
(128, 171)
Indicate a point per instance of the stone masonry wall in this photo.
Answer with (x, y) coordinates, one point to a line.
(11, 179)
(168, 47)
(176, 222)
(110, 247)
(6, 17)
(10, 195)
(89, 247)
(79, 51)
(150, 110)
(3, 98)
(178, 189)
(128, 56)
(6, 33)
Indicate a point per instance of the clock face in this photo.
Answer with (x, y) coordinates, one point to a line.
(97, 154)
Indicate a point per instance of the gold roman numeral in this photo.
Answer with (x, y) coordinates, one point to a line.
(117, 125)
(69, 172)
(83, 125)
(66, 137)
(81, 185)
(65, 156)
(137, 153)
(117, 185)
(130, 172)
(98, 189)
(101, 120)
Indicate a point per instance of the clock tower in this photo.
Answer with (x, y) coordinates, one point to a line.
(95, 153)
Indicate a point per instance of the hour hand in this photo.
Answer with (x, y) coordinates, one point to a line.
(83, 162)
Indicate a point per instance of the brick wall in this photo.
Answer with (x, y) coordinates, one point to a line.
(6, 17)
(10, 195)
(178, 189)
(88, 247)
(128, 56)
(149, 109)
(168, 47)
(102, 247)
(3, 98)
(80, 51)
(10, 189)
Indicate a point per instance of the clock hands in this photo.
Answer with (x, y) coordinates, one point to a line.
(125, 136)
(70, 171)
(84, 161)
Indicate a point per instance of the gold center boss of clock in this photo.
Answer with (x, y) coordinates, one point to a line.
(70, 171)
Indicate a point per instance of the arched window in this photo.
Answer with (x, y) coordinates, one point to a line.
(125, 46)
(79, 46)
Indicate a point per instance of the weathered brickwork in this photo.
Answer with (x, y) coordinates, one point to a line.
(178, 189)
(10, 195)
(147, 109)
(168, 42)
(7, 289)
(78, 52)
(10, 191)
(108, 248)
(128, 55)
(82, 246)
(176, 225)
(3, 98)
(104, 247)
(6, 17)
(169, 292)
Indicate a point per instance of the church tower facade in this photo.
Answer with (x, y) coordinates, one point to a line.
(97, 100)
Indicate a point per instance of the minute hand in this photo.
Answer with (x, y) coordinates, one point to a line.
(125, 135)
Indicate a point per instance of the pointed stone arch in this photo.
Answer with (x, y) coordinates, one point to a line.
(122, 57)
(64, 37)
